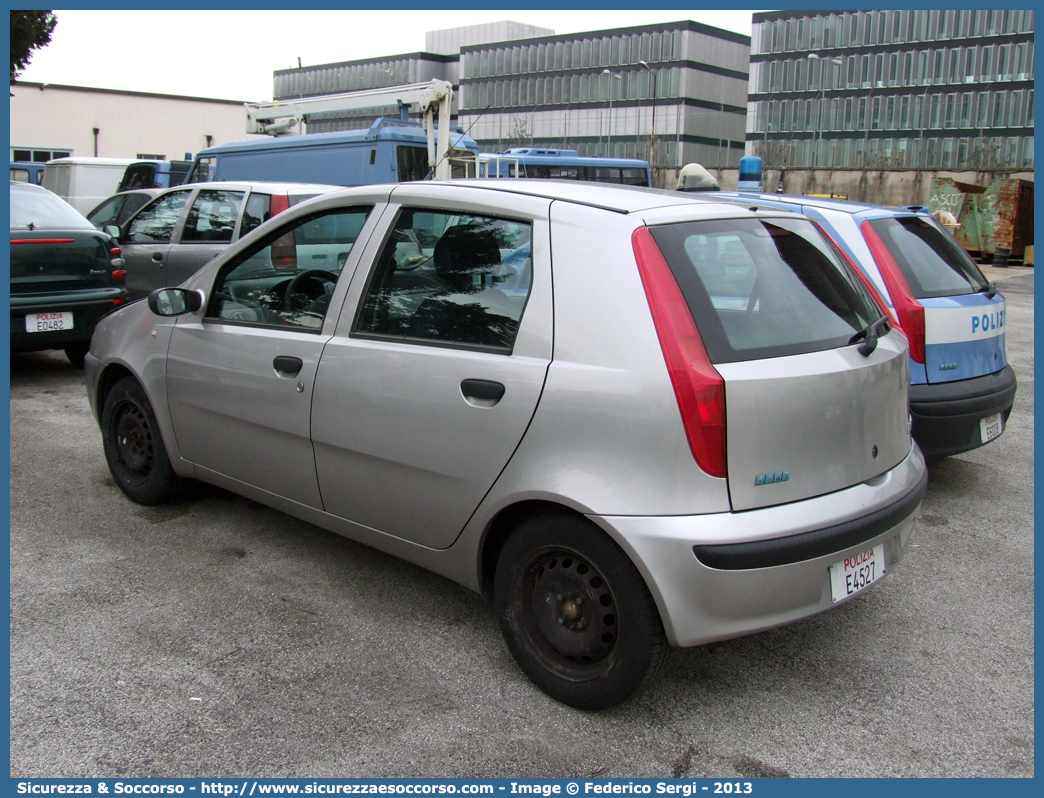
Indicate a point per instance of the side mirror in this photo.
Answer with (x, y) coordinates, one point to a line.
(113, 231)
(175, 301)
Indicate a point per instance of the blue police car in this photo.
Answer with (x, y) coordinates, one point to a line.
(961, 386)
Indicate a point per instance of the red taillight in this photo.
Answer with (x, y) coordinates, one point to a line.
(119, 274)
(118, 301)
(42, 240)
(909, 310)
(280, 203)
(116, 252)
(698, 387)
(284, 249)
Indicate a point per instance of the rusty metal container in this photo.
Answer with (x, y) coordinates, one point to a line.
(994, 221)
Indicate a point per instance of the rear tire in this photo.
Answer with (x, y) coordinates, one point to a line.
(133, 446)
(76, 352)
(576, 614)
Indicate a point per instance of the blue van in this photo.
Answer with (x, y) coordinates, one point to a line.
(27, 172)
(961, 386)
(390, 151)
(154, 174)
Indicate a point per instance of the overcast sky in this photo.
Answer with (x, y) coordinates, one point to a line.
(231, 54)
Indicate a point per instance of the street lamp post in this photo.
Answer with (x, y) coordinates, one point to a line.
(609, 138)
(652, 123)
(822, 98)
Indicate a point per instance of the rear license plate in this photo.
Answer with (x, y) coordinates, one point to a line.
(856, 572)
(49, 322)
(990, 427)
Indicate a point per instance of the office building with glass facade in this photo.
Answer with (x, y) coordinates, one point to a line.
(601, 92)
(678, 87)
(932, 89)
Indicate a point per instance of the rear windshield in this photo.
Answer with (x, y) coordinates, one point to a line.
(139, 175)
(33, 210)
(930, 260)
(761, 288)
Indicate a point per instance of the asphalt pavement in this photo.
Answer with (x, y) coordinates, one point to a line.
(217, 637)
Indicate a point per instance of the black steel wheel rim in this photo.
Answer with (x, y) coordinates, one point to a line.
(132, 436)
(569, 613)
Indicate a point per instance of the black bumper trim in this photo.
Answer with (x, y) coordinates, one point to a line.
(946, 415)
(990, 393)
(810, 545)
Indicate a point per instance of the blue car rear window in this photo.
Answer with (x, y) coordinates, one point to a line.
(932, 262)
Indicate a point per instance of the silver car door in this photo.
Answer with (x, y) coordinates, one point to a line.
(239, 381)
(146, 242)
(412, 422)
(206, 232)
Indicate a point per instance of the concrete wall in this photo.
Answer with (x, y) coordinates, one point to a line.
(46, 116)
(898, 187)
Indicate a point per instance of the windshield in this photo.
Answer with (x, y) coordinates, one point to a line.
(34, 209)
(204, 171)
(760, 288)
(930, 260)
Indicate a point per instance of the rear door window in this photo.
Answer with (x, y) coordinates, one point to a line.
(932, 262)
(212, 217)
(140, 175)
(761, 288)
(258, 211)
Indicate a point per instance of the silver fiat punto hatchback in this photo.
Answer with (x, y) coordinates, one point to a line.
(630, 418)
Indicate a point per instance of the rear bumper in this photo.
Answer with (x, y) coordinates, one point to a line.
(88, 308)
(946, 415)
(725, 575)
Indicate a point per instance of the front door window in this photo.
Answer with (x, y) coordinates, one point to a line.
(287, 279)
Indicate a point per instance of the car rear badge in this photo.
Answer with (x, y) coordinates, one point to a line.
(772, 478)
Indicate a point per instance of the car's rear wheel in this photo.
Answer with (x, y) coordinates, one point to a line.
(76, 352)
(133, 445)
(576, 614)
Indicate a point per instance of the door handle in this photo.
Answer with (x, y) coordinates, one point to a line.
(157, 256)
(482, 393)
(287, 366)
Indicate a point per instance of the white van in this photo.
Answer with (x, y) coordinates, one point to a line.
(84, 182)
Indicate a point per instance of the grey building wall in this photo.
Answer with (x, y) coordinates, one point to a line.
(591, 92)
(449, 40)
(915, 89)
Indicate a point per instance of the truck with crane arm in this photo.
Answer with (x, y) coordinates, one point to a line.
(391, 150)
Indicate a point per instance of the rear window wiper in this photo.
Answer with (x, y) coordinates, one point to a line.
(871, 333)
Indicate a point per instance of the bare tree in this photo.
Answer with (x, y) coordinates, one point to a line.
(520, 134)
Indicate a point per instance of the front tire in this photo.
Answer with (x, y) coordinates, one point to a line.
(133, 446)
(576, 614)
